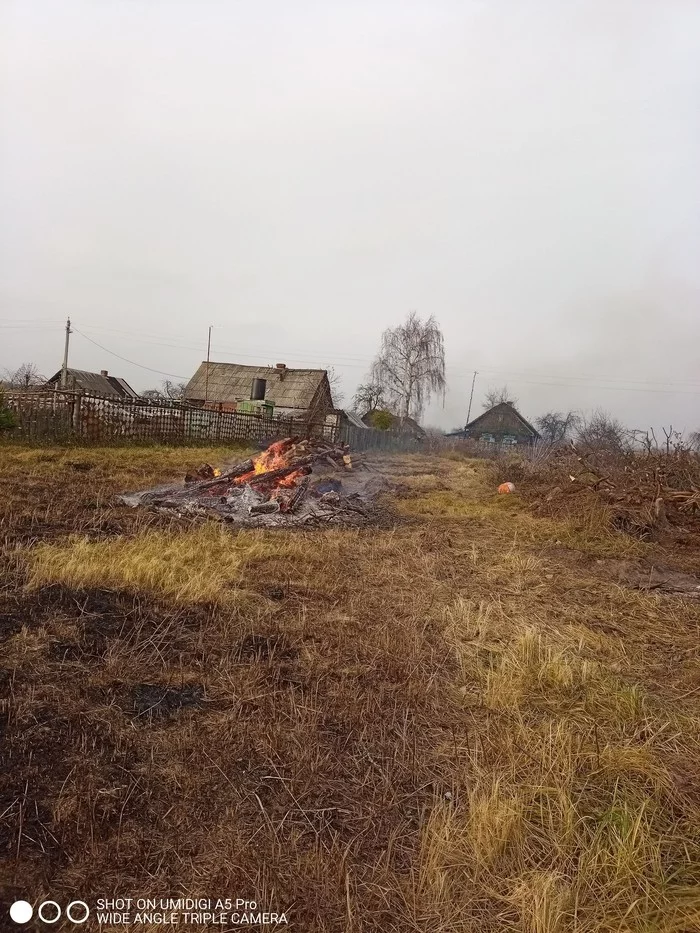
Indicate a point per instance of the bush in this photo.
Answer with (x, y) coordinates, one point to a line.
(8, 419)
(383, 420)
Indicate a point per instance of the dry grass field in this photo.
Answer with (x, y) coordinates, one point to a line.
(462, 722)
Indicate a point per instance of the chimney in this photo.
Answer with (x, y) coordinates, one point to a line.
(104, 372)
(282, 368)
(257, 392)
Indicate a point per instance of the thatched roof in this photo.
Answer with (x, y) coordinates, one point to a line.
(231, 382)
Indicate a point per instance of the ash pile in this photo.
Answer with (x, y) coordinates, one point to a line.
(293, 482)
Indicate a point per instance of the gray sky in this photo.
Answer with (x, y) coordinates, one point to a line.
(301, 175)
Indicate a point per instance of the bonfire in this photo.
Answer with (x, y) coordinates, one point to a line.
(293, 481)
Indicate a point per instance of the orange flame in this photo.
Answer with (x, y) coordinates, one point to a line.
(272, 459)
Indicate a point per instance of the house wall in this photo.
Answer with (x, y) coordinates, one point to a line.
(322, 402)
(279, 411)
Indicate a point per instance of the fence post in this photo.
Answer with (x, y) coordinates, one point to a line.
(75, 414)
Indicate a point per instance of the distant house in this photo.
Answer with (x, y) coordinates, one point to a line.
(296, 393)
(385, 420)
(97, 383)
(502, 424)
(350, 419)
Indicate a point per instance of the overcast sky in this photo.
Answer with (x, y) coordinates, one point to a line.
(302, 175)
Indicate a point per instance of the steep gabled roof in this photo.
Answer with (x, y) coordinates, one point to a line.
(122, 384)
(353, 418)
(231, 382)
(502, 406)
(96, 383)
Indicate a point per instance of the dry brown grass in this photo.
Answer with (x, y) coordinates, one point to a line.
(202, 564)
(449, 726)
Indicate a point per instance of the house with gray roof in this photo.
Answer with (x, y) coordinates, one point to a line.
(502, 424)
(96, 383)
(296, 393)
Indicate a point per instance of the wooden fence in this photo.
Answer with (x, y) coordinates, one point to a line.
(373, 439)
(64, 416)
(87, 418)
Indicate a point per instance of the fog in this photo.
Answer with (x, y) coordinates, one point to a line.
(301, 176)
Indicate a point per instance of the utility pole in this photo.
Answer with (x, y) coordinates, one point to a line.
(206, 375)
(469, 410)
(64, 370)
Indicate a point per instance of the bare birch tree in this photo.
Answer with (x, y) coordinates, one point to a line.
(410, 365)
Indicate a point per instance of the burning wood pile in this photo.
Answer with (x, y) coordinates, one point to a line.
(294, 481)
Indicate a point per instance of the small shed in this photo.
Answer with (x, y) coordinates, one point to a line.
(502, 424)
(351, 419)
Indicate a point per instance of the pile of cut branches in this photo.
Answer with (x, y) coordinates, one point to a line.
(647, 492)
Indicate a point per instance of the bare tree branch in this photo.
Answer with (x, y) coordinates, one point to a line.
(498, 396)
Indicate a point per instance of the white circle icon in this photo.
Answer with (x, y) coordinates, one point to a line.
(49, 919)
(83, 906)
(21, 912)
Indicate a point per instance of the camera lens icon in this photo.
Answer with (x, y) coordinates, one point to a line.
(21, 912)
(49, 912)
(79, 907)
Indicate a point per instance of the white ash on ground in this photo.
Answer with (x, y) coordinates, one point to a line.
(292, 482)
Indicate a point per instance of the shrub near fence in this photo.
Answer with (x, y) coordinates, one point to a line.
(85, 418)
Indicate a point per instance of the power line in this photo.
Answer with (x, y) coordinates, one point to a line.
(303, 355)
(591, 385)
(511, 372)
(683, 388)
(133, 363)
(341, 360)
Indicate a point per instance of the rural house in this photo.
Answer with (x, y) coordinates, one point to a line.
(502, 424)
(96, 383)
(292, 393)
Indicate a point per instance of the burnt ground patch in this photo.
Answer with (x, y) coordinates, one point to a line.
(156, 701)
(256, 647)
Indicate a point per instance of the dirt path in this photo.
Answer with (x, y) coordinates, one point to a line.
(452, 724)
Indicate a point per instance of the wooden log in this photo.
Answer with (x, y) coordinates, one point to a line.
(299, 495)
(295, 465)
(239, 470)
(264, 508)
